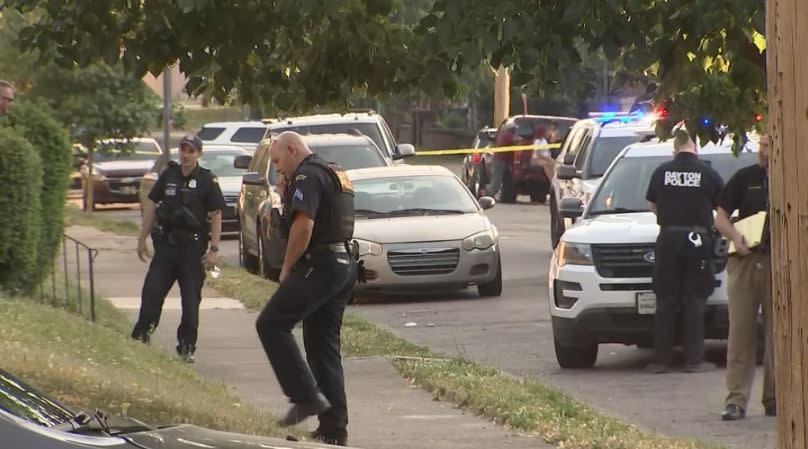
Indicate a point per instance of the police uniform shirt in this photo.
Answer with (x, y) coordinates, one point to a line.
(747, 192)
(685, 191)
(307, 191)
(199, 191)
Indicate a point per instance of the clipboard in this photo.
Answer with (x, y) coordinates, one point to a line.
(751, 228)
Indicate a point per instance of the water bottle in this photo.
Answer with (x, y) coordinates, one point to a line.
(215, 272)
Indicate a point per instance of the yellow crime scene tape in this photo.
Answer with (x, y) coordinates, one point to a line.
(487, 150)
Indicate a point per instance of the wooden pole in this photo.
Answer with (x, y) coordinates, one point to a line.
(786, 35)
(502, 95)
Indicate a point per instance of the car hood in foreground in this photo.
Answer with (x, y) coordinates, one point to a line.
(188, 436)
(421, 228)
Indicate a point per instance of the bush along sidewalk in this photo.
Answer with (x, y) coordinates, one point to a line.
(519, 404)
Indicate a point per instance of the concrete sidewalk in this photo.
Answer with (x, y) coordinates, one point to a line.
(385, 410)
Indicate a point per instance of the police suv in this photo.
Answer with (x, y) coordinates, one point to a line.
(600, 280)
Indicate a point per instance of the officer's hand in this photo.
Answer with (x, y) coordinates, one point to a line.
(280, 185)
(283, 276)
(741, 247)
(142, 251)
(210, 260)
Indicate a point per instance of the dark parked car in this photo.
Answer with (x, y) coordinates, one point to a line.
(117, 170)
(258, 196)
(30, 419)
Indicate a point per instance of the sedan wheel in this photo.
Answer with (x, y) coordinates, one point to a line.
(493, 288)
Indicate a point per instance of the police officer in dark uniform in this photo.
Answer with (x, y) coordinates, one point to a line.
(683, 193)
(187, 195)
(316, 281)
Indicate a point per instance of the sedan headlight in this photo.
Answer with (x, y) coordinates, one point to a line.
(574, 254)
(482, 240)
(367, 247)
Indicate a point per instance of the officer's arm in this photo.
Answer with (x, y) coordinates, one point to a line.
(299, 238)
(215, 227)
(148, 218)
(725, 226)
(215, 205)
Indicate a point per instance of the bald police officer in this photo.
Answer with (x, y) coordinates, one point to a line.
(683, 193)
(187, 195)
(316, 281)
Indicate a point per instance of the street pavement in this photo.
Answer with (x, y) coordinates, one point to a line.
(513, 333)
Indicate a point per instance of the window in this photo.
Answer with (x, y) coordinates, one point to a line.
(367, 129)
(351, 157)
(572, 145)
(413, 195)
(248, 135)
(606, 149)
(221, 163)
(583, 153)
(626, 184)
(209, 133)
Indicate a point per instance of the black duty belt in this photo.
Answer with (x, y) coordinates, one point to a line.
(326, 248)
(697, 229)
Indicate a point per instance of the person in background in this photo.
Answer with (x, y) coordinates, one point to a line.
(6, 97)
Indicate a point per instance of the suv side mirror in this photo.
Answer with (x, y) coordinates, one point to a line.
(567, 172)
(404, 150)
(255, 179)
(571, 207)
(486, 202)
(242, 162)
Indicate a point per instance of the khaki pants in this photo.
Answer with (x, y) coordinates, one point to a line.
(749, 290)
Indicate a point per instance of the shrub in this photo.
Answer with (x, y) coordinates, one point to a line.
(21, 178)
(52, 142)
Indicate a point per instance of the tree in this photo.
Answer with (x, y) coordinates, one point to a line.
(97, 102)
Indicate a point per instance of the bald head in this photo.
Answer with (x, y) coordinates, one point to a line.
(287, 151)
(682, 142)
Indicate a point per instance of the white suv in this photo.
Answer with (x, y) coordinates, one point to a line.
(367, 123)
(600, 280)
(245, 135)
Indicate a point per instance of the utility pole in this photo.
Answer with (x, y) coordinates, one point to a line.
(166, 115)
(502, 95)
(786, 37)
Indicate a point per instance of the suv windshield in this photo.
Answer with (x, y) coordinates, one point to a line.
(367, 129)
(414, 195)
(605, 149)
(623, 190)
(221, 163)
(23, 402)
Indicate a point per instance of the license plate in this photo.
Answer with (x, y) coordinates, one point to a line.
(129, 190)
(646, 303)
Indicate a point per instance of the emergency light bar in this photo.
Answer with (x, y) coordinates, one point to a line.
(622, 117)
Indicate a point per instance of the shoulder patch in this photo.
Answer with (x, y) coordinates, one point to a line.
(215, 179)
(344, 181)
(300, 177)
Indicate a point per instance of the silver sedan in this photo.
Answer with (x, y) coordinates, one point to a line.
(419, 228)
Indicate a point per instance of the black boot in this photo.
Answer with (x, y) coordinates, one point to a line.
(336, 438)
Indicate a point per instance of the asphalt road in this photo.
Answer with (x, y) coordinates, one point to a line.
(513, 333)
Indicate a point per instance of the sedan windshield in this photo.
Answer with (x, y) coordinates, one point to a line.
(623, 189)
(414, 195)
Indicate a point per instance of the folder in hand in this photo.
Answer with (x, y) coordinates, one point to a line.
(751, 228)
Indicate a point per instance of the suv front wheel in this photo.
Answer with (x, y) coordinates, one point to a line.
(576, 357)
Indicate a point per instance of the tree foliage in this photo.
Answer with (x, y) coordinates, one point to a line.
(292, 55)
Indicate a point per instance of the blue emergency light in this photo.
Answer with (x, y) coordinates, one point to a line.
(622, 117)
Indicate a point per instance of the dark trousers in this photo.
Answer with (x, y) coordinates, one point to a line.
(315, 293)
(180, 262)
(683, 279)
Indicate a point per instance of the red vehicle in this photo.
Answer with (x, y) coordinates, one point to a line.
(525, 173)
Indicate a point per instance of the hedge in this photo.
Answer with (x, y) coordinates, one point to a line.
(52, 142)
(20, 220)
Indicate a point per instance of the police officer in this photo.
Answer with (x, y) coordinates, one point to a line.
(749, 287)
(318, 274)
(683, 194)
(187, 195)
